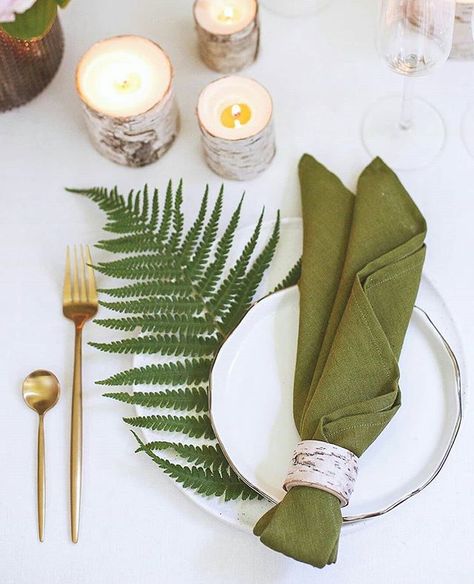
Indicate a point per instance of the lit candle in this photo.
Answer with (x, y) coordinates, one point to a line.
(126, 87)
(228, 33)
(235, 118)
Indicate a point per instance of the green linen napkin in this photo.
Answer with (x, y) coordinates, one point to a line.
(362, 262)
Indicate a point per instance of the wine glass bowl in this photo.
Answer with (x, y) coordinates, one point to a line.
(414, 38)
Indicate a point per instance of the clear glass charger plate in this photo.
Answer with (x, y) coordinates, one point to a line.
(251, 398)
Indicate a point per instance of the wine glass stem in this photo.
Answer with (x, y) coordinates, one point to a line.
(406, 114)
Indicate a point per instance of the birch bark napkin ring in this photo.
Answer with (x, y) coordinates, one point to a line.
(228, 33)
(323, 466)
(126, 87)
(235, 118)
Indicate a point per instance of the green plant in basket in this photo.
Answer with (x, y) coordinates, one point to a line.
(185, 296)
(29, 19)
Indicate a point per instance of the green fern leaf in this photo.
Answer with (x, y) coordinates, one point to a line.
(207, 456)
(180, 292)
(181, 373)
(248, 286)
(291, 279)
(164, 229)
(178, 219)
(227, 290)
(192, 237)
(155, 306)
(165, 344)
(155, 288)
(192, 398)
(215, 269)
(203, 249)
(135, 243)
(204, 481)
(193, 426)
(175, 324)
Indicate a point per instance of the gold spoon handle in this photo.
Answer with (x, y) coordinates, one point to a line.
(76, 438)
(41, 478)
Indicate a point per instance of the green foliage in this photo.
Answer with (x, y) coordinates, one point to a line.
(206, 481)
(194, 426)
(189, 399)
(185, 297)
(36, 21)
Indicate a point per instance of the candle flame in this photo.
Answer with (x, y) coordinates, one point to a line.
(228, 14)
(236, 115)
(128, 83)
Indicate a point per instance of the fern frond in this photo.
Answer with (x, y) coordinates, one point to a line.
(207, 456)
(214, 271)
(193, 426)
(291, 279)
(178, 219)
(164, 344)
(192, 398)
(185, 324)
(183, 297)
(165, 225)
(192, 237)
(203, 249)
(249, 284)
(189, 371)
(154, 288)
(158, 305)
(227, 289)
(141, 267)
(204, 481)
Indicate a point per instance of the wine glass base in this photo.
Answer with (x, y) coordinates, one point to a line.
(404, 149)
(294, 8)
(467, 130)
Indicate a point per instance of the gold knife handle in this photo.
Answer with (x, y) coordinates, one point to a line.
(41, 478)
(76, 438)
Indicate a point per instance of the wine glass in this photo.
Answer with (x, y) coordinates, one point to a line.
(414, 37)
(294, 7)
(467, 127)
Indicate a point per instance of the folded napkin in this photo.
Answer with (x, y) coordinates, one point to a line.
(362, 263)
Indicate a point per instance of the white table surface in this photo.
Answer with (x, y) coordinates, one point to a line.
(137, 527)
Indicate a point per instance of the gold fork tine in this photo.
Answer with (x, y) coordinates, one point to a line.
(75, 279)
(91, 286)
(83, 277)
(67, 296)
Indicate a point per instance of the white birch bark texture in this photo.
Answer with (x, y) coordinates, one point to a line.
(463, 42)
(135, 140)
(242, 159)
(229, 53)
(323, 466)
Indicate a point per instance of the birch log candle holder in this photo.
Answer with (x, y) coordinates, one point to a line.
(463, 41)
(235, 119)
(126, 87)
(228, 33)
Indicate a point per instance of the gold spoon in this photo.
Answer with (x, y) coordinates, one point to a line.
(41, 393)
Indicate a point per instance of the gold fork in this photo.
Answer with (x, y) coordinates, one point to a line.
(79, 305)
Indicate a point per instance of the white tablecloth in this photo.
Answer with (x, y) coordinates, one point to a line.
(137, 527)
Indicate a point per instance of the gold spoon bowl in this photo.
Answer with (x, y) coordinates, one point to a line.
(41, 393)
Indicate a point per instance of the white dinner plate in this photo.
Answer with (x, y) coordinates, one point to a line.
(252, 410)
(252, 396)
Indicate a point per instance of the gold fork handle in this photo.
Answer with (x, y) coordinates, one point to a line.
(41, 480)
(76, 438)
